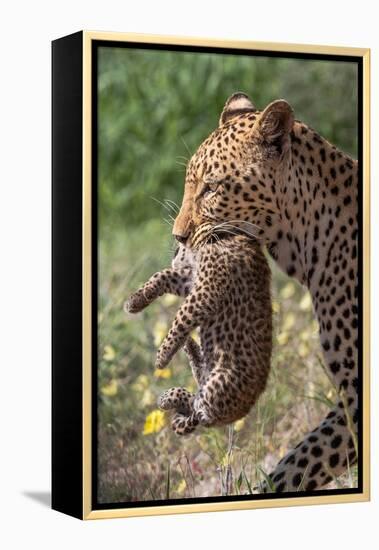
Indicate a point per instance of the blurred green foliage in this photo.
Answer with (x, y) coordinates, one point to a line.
(155, 108)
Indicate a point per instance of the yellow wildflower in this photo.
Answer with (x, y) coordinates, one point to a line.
(287, 291)
(303, 349)
(142, 382)
(289, 321)
(239, 424)
(306, 302)
(195, 336)
(282, 338)
(181, 487)
(163, 373)
(170, 299)
(226, 460)
(109, 353)
(159, 332)
(110, 389)
(154, 422)
(148, 398)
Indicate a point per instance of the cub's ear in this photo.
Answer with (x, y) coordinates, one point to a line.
(237, 103)
(275, 124)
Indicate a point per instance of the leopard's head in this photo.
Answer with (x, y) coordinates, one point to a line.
(232, 179)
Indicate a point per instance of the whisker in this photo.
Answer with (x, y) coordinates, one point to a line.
(181, 163)
(228, 232)
(172, 205)
(238, 224)
(228, 229)
(169, 209)
(204, 238)
(160, 202)
(239, 227)
(170, 216)
(182, 157)
(169, 222)
(236, 227)
(242, 222)
(212, 218)
(186, 146)
(219, 243)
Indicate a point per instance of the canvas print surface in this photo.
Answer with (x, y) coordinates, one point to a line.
(228, 301)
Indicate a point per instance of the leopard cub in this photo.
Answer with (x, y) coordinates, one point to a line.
(226, 285)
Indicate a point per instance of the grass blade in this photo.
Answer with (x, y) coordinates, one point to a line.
(268, 480)
(168, 482)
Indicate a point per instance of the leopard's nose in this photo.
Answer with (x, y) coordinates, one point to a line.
(181, 239)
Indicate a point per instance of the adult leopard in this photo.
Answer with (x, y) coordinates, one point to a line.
(299, 195)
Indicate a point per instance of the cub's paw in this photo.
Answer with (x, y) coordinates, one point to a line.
(162, 359)
(184, 424)
(179, 399)
(136, 303)
(168, 399)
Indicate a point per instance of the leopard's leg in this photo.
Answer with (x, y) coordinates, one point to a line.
(327, 451)
(167, 281)
(324, 454)
(184, 424)
(179, 399)
(196, 360)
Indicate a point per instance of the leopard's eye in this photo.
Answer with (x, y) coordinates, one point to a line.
(211, 186)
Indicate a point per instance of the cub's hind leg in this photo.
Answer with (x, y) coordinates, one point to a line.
(219, 400)
(196, 361)
(197, 307)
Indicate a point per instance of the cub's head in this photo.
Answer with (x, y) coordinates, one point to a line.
(231, 180)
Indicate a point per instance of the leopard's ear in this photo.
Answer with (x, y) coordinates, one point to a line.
(275, 124)
(237, 103)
